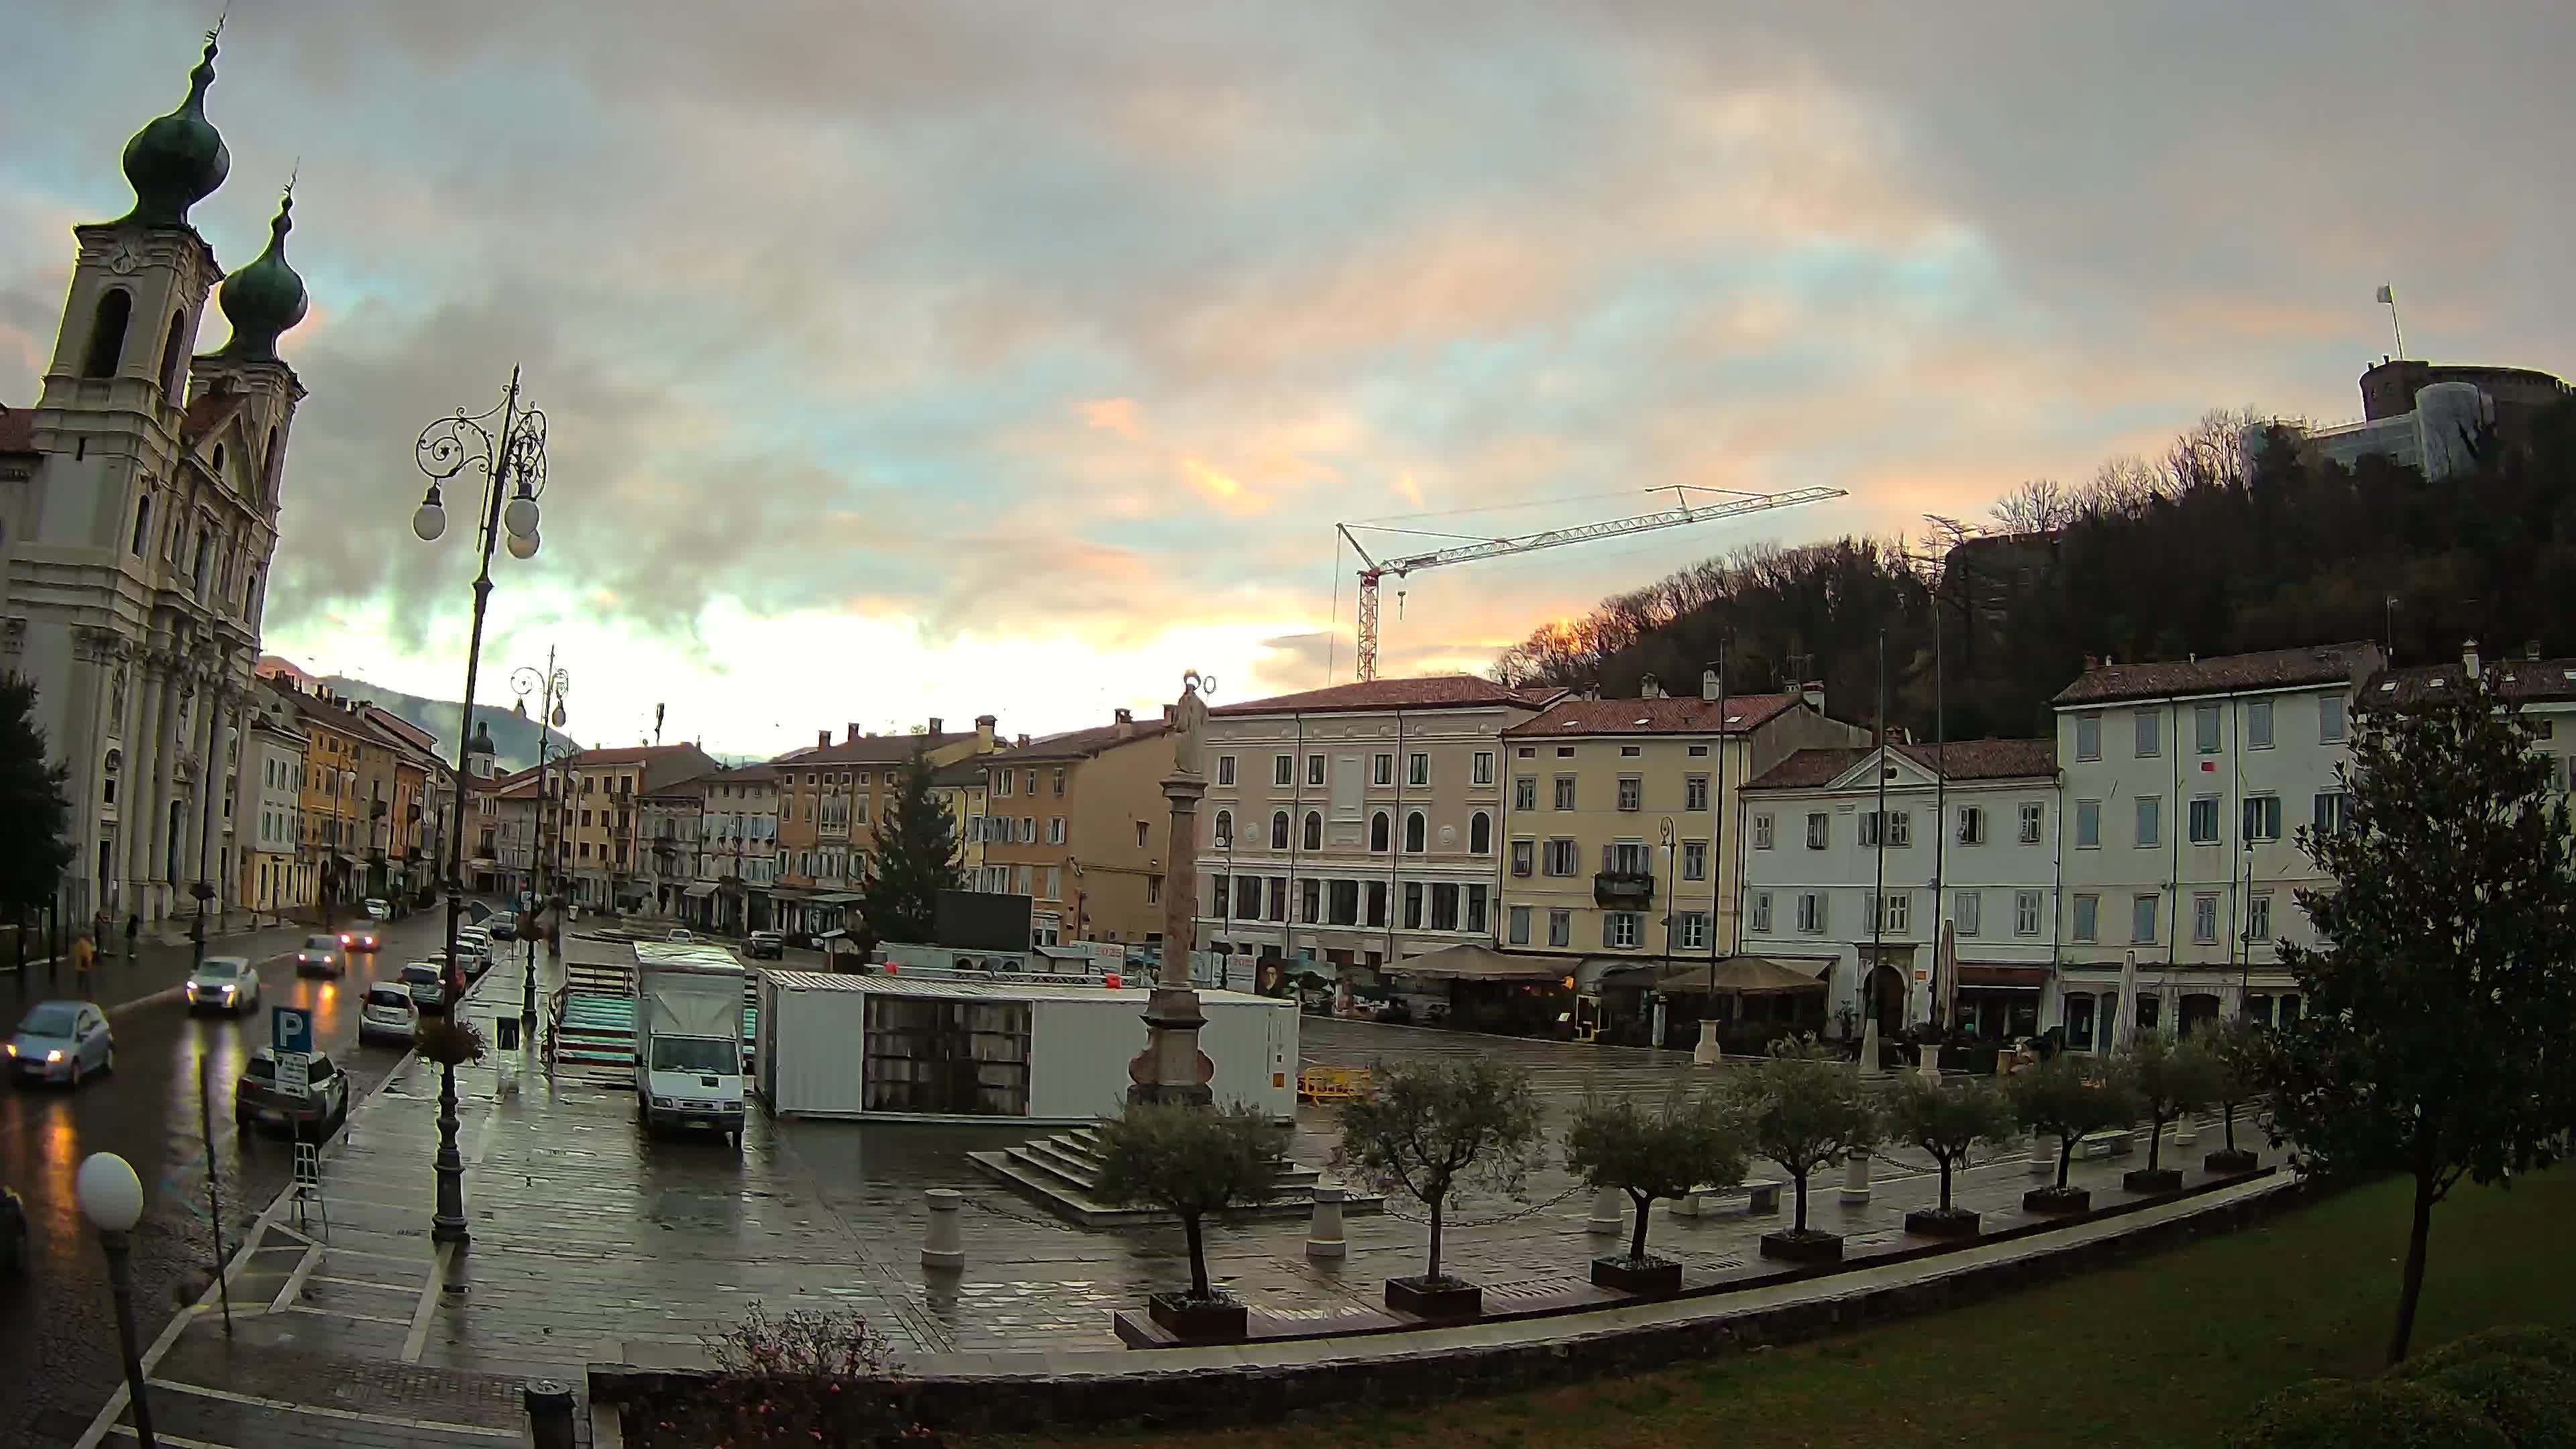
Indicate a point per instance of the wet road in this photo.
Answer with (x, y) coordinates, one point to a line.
(57, 1329)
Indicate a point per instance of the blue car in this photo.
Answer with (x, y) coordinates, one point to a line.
(61, 1041)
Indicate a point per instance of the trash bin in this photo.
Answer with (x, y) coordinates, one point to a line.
(507, 1028)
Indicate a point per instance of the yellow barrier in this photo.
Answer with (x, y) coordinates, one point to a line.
(1334, 1084)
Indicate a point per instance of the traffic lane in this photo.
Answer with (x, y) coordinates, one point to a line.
(57, 1326)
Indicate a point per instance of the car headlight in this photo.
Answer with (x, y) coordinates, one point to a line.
(229, 989)
(13, 1048)
(192, 983)
(53, 1056)
(666, 1101)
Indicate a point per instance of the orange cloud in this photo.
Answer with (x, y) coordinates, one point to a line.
(1225, 492)
(1115, 415)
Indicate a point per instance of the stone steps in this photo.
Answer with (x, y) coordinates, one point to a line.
(1062, 1174)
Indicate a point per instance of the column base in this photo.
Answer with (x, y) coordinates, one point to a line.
(1172, 1094)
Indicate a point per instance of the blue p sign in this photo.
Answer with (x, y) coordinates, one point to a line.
(290, 1029)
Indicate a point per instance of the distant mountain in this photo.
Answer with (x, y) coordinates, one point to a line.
(514, 740)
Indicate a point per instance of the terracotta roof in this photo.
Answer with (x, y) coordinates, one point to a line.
(1691, 716)
(208, 413)
(872, 749)
(966, 772)
(1076, 744)
(1441, 691)
(2520, 681)
(1958, 760)
(17, 430)
(2271, 669)
(625, 755)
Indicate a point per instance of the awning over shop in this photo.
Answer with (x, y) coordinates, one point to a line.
(1988, 976)
(1470, 962)
(1732, 975)
(700, 891)
(836, 898)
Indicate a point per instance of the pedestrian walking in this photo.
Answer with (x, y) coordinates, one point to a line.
(84, 956)
(133, 928)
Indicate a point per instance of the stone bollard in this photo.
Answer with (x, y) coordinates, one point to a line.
(549, 1405)
(944, 1245)
(1324, 1233)
(1855, 1189)
(1609, 1213)
(2043, 1155)
(1705, 1052)
(2187, 1131)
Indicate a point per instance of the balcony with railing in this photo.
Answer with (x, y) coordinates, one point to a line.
(1623, 889)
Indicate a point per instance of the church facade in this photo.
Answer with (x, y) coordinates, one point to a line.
(140, 501)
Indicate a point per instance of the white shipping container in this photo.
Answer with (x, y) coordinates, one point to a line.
(901, 1048)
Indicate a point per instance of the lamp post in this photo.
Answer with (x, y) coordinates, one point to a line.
(1672, 914)
(513, 465)
(111, 1197)
(549, 687)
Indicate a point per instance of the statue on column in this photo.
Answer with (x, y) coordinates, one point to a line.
(1189, 723)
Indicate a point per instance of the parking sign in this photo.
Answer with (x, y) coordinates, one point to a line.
(290, 1029)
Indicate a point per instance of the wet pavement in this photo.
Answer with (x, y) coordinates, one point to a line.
(592, 1243)
(57, 1334)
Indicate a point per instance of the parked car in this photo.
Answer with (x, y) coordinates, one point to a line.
(223, 983)
(378, 910)
(504, 927)
(359, 938)
(477, 946)
(765, 946)
(388, 1015)
(62, 1041)
(258, 1099)
(678, 934)
(321, 956)
(426, 981)
(16, 1257)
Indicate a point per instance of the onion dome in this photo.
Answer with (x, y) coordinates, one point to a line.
(481, 744)
(179, 159)
(264, 299)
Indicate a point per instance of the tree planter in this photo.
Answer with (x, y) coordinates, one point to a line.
(1435, 1297)
(1936, 1223)
(2151, 1179)
(2057, 1201)
(2230, 1160)
(1648, 1277)
(1199, 1320)
(1810, 1246)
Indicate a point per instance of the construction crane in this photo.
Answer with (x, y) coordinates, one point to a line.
(1683, 511)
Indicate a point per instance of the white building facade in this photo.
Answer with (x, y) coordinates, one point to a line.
(2185, 783)
(1967, 843)
(1357, 825)
(273, 877)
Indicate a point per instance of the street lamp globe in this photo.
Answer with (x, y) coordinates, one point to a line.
(523, 545)
(519, 516)
(560, 716)
(430, 519)
(111, 1196)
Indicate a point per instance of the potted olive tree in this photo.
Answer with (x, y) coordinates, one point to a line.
(1688, 1145)
(2237, 1047)
(2056, 1100)
(1804, 1108)
(2170, 1079)
(1434, 1130)
(1191, 1162)
(1947, 1123)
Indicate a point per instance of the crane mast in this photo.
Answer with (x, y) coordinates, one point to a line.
(1683, 512)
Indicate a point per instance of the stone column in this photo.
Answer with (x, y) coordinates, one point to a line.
(160, 753)
(1171, 1068)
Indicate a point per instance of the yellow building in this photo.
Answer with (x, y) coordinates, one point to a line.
(1078, 823)
(601, 861)
(831, 798)
(1612, 818)
(338, 753)
(959, 788)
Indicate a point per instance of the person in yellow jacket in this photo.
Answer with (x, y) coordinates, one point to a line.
(83, 956)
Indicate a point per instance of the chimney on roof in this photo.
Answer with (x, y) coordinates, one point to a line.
(1709, 688)
(936, 726)
(853, 728)
(1022, 742)
(822, 738)
(1126, 723)
(1649, 687)
(2469, 658)
(1813, 692)
(984, 731)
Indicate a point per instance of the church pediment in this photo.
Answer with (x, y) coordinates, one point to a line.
(1901, 773)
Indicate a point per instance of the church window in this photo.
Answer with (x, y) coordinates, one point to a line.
(219, 462)
(142, 523)
(269, 462)
(174, 356)
(107, 333)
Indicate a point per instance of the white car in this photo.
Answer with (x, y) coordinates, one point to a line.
(388, 1015)
(321, 956)
(378, 911)
(224, 983)
(477, 946)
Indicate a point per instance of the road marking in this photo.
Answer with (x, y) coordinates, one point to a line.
(304, 1267)
(155, 999)
(344, 1313)
(419, 1336)
(325, 1411)
(366, 1283)
(172, 1440)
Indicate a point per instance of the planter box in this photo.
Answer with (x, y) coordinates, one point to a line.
(1199, 1320)
(2151, 1179)
(2057, 1201)
(1651, 1278)
(1934, 1223)
(2230, 1160)
(1447, 1298)
(1808, 1247)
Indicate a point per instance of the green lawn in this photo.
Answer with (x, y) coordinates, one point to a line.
(2168, 1350)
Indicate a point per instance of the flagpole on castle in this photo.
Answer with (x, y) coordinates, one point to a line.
(2388, 298)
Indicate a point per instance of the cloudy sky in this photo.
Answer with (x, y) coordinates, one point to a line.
(960, 357)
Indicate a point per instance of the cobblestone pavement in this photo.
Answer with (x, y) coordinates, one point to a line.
(588, 1239)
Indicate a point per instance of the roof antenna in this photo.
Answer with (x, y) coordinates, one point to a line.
(657, 726)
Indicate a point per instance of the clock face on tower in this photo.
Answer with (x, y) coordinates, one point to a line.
(124, 257)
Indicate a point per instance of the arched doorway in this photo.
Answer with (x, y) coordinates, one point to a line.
(1883, 999)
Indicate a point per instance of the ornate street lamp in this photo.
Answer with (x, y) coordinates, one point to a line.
(550, 688)
(513, 463)
(111, 1197)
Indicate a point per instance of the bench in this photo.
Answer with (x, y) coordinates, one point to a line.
(1762, 1199)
